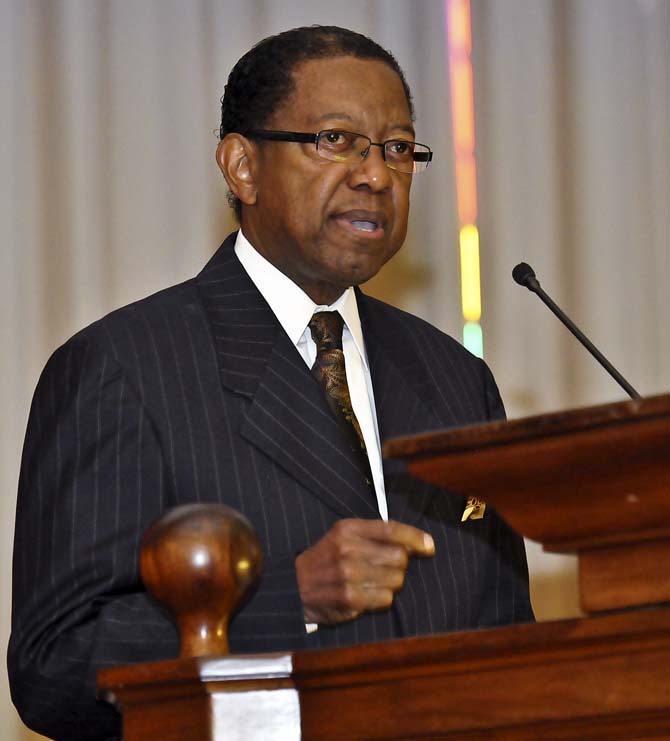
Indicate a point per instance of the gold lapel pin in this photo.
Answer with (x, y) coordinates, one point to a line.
(474, 509)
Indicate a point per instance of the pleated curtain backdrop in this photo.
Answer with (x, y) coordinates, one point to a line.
(109, 189)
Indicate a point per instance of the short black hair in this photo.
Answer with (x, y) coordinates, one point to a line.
(263, 78)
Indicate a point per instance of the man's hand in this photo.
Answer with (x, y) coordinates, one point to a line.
(357, 566)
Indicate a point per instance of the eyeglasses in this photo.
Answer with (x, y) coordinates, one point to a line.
(347, 147)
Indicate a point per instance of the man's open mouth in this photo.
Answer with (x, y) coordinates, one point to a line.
(366, 226)
(367, 222)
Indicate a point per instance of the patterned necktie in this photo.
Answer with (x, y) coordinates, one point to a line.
(328, 369)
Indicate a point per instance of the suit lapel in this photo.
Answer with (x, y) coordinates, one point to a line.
(287, 417)
(402, 403)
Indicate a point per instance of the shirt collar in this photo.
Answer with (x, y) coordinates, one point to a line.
(290, 304)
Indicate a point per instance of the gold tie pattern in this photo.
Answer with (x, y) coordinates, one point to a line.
(326, 328)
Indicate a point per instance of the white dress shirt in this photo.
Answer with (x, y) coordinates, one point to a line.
(294, 309)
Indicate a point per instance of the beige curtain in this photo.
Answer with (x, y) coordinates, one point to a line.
(110, 191)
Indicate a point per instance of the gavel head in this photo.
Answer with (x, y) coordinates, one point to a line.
(198, 560)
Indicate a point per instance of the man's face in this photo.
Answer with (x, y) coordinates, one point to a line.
(312, 217)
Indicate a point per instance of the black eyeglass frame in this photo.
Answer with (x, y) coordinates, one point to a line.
(304, 138)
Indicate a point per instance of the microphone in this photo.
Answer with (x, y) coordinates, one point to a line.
(524, 275)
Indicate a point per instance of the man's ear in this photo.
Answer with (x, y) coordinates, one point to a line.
(235, 156)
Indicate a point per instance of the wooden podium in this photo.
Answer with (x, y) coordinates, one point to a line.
(594, 481)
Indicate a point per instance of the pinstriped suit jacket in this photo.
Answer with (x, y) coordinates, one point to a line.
(197, 394)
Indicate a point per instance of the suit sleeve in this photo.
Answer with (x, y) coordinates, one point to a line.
(92, 479)
(495, 408)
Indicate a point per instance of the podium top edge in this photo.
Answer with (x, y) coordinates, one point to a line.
(554, 424)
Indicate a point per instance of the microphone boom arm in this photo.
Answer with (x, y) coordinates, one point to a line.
(524, 275)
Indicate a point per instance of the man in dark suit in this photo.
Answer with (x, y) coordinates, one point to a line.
(206, 392)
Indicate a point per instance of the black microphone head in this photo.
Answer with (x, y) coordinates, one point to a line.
(524, 275)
